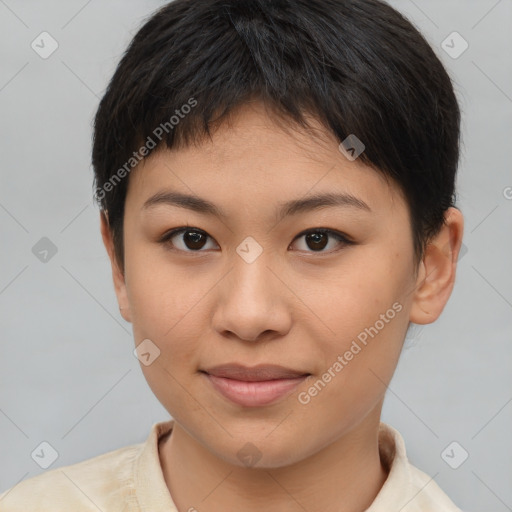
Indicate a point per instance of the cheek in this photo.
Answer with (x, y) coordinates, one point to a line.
(352, 296)
(367, 345)
(163, 297)
(357, 367)
(165, 309)
(366, 311)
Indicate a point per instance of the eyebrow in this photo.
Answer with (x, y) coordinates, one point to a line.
(293, 207)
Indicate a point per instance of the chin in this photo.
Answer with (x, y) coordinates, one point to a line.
(251, 452)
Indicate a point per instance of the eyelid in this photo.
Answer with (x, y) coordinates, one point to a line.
(334, 232)
(164, 239)
(341, 237)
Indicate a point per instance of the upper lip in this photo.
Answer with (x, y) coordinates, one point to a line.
(261, 372)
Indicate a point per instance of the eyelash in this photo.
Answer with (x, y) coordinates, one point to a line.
(345, 241)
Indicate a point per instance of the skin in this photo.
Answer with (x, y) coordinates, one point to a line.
(294, 305)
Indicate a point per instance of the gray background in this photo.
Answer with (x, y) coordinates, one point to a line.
(67, 372)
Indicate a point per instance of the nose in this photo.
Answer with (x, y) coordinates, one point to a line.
(253, 302)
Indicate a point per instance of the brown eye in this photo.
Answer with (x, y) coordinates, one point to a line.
(186, 239)
(190, 240)
(317, 239)
(194, 240)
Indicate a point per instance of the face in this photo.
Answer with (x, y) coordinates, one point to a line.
(325, 291)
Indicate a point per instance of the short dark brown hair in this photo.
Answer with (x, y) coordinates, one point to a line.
(358, 66)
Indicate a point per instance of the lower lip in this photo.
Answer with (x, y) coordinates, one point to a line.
(254, 394)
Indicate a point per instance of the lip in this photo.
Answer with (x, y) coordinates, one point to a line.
(256, 386)
(261, 372)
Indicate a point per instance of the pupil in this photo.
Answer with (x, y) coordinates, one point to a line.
(318, 240)
(315, 238)
(193, 237)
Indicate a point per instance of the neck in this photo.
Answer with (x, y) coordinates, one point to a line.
(345, 476)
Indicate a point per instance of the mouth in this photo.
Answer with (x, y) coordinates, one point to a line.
(253, 386)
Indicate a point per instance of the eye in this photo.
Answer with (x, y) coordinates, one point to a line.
(317, 239)
(188, 238)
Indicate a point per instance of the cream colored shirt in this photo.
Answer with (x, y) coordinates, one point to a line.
(130, 479)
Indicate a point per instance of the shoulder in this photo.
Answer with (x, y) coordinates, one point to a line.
(407, 485)
(430, 496)
(103, 482)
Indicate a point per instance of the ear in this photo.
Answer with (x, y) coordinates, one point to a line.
(436, 275)
(117, 275)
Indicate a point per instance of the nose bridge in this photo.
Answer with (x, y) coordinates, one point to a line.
(251, 301)
(252, 276)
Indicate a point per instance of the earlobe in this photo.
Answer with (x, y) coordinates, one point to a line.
(436, 277)
(117, 276)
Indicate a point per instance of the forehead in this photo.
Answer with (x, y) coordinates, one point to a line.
(256, 158)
